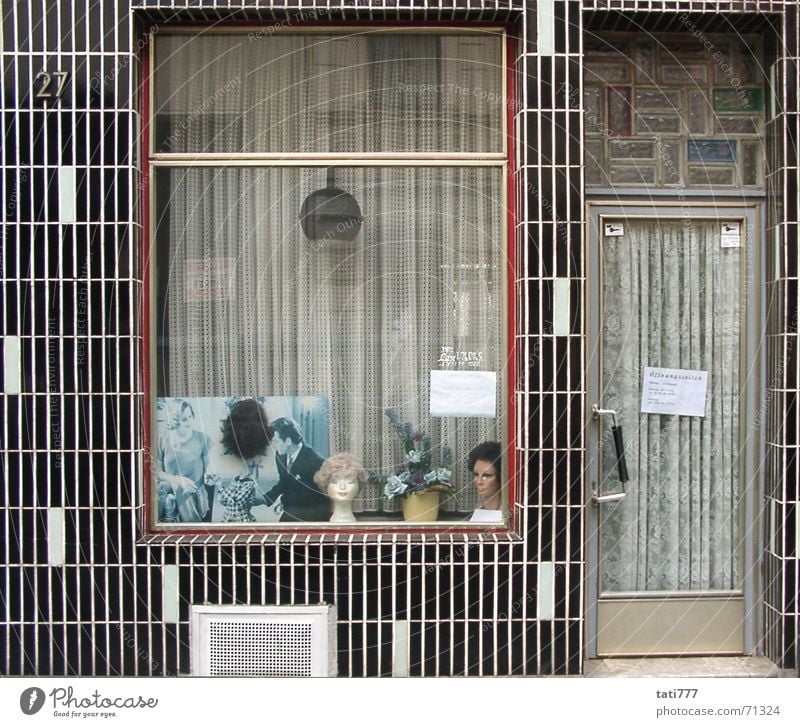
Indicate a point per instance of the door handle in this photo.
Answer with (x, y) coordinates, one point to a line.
(619, 448)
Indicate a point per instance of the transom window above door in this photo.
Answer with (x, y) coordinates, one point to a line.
(674, 111)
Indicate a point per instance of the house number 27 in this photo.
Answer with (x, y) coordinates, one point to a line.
(50, 85)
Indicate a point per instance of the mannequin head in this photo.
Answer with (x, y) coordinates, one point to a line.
(484, 464)
(340, 478)
(343, 488)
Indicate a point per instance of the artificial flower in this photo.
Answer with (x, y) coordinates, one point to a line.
(417, 473)
(394, 486)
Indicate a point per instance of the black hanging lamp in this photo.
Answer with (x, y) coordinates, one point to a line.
(330, 214)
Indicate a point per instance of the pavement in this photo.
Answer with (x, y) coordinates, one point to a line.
(702, 666)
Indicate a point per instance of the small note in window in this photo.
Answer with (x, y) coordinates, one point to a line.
(463, 394)
(614, 229)
(731, 234)
(210, 279)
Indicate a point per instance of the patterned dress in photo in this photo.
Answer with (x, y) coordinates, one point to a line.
(237, 498)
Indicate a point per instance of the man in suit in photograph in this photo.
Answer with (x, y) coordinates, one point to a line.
(297, 464)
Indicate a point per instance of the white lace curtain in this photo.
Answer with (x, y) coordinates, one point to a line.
(360, 93)
(672, 299)
(360, 322)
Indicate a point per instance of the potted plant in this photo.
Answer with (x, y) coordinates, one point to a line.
(416, 480)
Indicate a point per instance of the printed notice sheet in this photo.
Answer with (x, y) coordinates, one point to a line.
(730, 235)
(463, 394)
(674, 391)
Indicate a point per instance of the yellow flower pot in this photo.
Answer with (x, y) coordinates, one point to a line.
(421, 507)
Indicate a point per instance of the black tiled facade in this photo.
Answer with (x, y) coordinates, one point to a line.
(73, 292)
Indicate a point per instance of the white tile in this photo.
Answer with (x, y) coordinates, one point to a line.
(170, 593)
(67, 194)
(400, 665)
(561, 307)
(55, 536)
(772, 515)
(544, 590)
(11, 370)
(776, 241)
(545, 26)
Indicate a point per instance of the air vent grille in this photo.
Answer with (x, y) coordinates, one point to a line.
(260, 649)
(263, 641)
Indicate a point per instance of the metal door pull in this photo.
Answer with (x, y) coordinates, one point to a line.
(622, 465)
(619, 448)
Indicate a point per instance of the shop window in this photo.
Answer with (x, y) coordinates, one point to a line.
(328, 249)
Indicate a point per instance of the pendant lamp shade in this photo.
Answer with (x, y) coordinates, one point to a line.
(330, 214)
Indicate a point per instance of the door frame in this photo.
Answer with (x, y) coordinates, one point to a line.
(753, 380)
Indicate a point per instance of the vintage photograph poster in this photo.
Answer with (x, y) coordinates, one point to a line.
(208, 467)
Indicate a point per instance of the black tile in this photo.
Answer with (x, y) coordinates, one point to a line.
(94, 15)
(9, 41)
(541, 486)
(22, 39)
(575, 552)
(444, 651)
(527, 42)
(538, 263)
(541, 359)
(791, 42)
(459, 650)
(547, 527)
(790, 476)
(575, 307)
(546, 89)
(373, 649)
(792, 254)
(789, 542)
(541, 152)
(790, 83)
(788, 656)
(531, 648)
(415, 654)
(787, 124)
(541, 311)
(58, 655)
(11, 465)
(516, 648)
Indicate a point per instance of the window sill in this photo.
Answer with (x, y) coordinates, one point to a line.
(381, 533)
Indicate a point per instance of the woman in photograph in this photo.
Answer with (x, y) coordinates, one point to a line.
(183, 457)
(246, 434)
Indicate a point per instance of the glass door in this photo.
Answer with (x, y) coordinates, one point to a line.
(667, 451)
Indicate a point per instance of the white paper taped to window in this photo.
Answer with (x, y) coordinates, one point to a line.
(674, 391)
(463, 394)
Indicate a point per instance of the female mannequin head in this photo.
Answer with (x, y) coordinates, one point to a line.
(340, 478)
(484, 464)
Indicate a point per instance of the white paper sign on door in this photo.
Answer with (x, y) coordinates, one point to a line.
(674, 391)
(730, 234)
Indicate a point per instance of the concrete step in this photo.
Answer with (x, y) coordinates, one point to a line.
(690, 666)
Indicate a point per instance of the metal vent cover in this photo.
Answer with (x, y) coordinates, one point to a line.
(263, 641)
